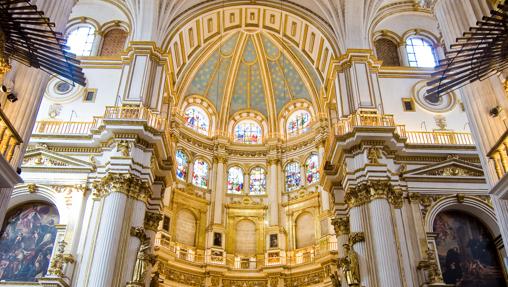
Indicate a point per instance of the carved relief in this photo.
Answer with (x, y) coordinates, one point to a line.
(341, 225)
(305, 280)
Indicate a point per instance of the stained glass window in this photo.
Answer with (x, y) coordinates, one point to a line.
(181, 165)
(235, 180)
(312, 171)
(196, 119)
(298, 122)
(200, 173)
(248, 132)
(293, 176)
(80, 40)
(257, 181)
(420, 52)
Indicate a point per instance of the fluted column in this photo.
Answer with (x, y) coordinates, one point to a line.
(120, 195)
(341, 226)
(219, 190)
(133, 242)
(384, 244)
(325, 196)
(358, 222)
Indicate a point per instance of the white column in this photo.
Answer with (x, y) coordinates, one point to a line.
(384, 244)
(273, 192)
(219, 191)
(108, 238)
(358, 223)
(137, 220)
(325, 196)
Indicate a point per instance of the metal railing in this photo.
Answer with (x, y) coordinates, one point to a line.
(9, 137)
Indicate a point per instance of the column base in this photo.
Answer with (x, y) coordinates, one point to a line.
(53, 282)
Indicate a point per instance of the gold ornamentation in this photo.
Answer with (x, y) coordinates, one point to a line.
(350, 266)
(460, 197)
(373, 155)
(373, 189)
(59, 260)
(188, 279)
(414, 197)
(124, 147)
(335, 278)
(32, 188)
(127, 184)
(243, 283)
(152, 220)
(356, 237)
(341, 225)
(307, 279)
(430, 264)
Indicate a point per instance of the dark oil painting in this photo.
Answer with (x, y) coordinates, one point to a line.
(26, 242)
(467, 254)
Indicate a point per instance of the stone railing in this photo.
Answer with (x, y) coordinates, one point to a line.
(141, 114)
(9, 137)
(439, 137)
(347, 125)
(63, 128)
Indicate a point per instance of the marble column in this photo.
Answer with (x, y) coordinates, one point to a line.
(384, 244)
(358, 222)
(219, 190)
(273, 192)
(132, 245)
(123, 198)
(341, 225)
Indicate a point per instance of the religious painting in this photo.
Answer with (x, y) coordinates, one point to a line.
(298, 123)
(293, 176)
(274, 241)
(466, 251)
(27, 241)
(200, 174)
(235, 180)
(257, 184)
(248, 132)
(196, 119)
(312, 171)
(217, 239)
(181, 165)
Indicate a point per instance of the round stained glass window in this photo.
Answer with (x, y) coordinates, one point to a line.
(63, 87)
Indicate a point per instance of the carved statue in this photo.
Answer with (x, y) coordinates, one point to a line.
(335, 279)
(350, 266)
(142, 262)
(155, 279)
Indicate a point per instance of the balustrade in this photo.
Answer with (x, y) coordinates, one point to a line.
(9, 137)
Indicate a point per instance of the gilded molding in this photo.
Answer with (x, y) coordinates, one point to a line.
(128, 184)
(373, 189)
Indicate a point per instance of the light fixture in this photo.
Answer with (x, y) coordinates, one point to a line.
(4, 89)
(495, 111)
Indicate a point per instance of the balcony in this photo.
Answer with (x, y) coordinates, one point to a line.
(499, 154)
(370, 120)
(135, 114)
(9, 138)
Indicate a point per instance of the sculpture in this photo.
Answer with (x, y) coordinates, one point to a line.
(350, 266)
(335, 279)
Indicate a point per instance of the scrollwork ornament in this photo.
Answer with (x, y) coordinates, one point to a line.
(152, 220)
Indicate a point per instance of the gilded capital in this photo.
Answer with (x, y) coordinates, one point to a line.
(128, 184)
(367, 191)
(152, 220)
(341, 225)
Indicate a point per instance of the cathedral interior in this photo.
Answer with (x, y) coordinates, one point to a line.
(254, 143)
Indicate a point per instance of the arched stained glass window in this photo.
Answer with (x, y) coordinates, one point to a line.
(80, 40)
(200, 173)
(420, 52)
(312, 169)
(27, 241)
(293, 176)
(257, 181)
(235, 180)
(248, 132)
(181, 165)
(298, 123)
(196, 119)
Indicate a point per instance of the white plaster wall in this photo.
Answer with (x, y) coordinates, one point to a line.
(106, 82)
(100, 11)
(401, 23)
(394, 89)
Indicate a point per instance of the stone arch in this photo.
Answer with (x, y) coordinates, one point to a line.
(22, 194)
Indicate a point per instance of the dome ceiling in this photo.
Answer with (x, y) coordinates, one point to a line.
(249, 72)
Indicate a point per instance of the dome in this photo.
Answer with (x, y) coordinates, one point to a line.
(255, 73)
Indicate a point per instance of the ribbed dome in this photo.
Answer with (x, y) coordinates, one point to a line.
(249, 72)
